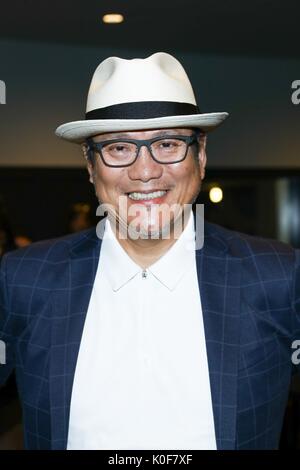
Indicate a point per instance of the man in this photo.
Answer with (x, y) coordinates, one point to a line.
(135, 335)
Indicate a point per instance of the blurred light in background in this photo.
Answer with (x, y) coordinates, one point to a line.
(113, 18)
(215, 194)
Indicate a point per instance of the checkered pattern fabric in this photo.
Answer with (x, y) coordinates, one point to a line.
(250, 293)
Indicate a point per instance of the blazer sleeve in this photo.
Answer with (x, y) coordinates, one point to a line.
(7, 356)
(296, 315)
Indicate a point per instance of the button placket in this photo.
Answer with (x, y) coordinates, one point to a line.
(146, 363)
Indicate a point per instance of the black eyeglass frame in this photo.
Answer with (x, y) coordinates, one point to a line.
(97, 146)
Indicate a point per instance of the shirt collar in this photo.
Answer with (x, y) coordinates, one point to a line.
(168, 269)
(171, 267)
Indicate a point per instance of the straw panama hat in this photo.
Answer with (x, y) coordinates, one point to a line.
(138, 94)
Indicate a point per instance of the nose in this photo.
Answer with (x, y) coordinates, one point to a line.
(145, 167)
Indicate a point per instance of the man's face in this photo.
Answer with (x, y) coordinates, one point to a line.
(181, 181)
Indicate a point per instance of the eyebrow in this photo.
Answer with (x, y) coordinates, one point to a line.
(126, 135)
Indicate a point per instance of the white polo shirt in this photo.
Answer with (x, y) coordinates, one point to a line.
(141, 380)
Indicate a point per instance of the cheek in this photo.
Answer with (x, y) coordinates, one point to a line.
(188, 177)
(188, 186)
(107, 182)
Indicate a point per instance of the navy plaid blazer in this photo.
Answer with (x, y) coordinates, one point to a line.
(250, 293)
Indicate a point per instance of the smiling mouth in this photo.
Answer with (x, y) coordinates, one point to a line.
(146, 195)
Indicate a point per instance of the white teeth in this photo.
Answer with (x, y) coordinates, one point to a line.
(144, 196)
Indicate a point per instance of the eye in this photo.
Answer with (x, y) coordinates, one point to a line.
(168, 144)
(117, 148)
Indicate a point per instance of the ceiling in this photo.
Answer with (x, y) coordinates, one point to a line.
(257, 27)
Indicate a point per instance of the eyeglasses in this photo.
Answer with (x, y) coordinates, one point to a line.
(124, 152)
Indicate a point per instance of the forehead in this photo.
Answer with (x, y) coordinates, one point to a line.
(142, 134)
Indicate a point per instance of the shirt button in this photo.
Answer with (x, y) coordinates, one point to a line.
(144, 274)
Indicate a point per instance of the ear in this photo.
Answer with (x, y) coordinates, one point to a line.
(89, 165)
(202, 139)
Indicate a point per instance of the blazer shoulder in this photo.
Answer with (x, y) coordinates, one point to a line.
(52, 250)
(244, 245)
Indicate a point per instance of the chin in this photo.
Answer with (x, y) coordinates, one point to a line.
(149, 231)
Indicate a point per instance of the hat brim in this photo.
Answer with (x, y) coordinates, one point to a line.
(78, 131)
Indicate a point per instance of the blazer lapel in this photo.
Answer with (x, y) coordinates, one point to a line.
(70, 305)
(219, 276)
